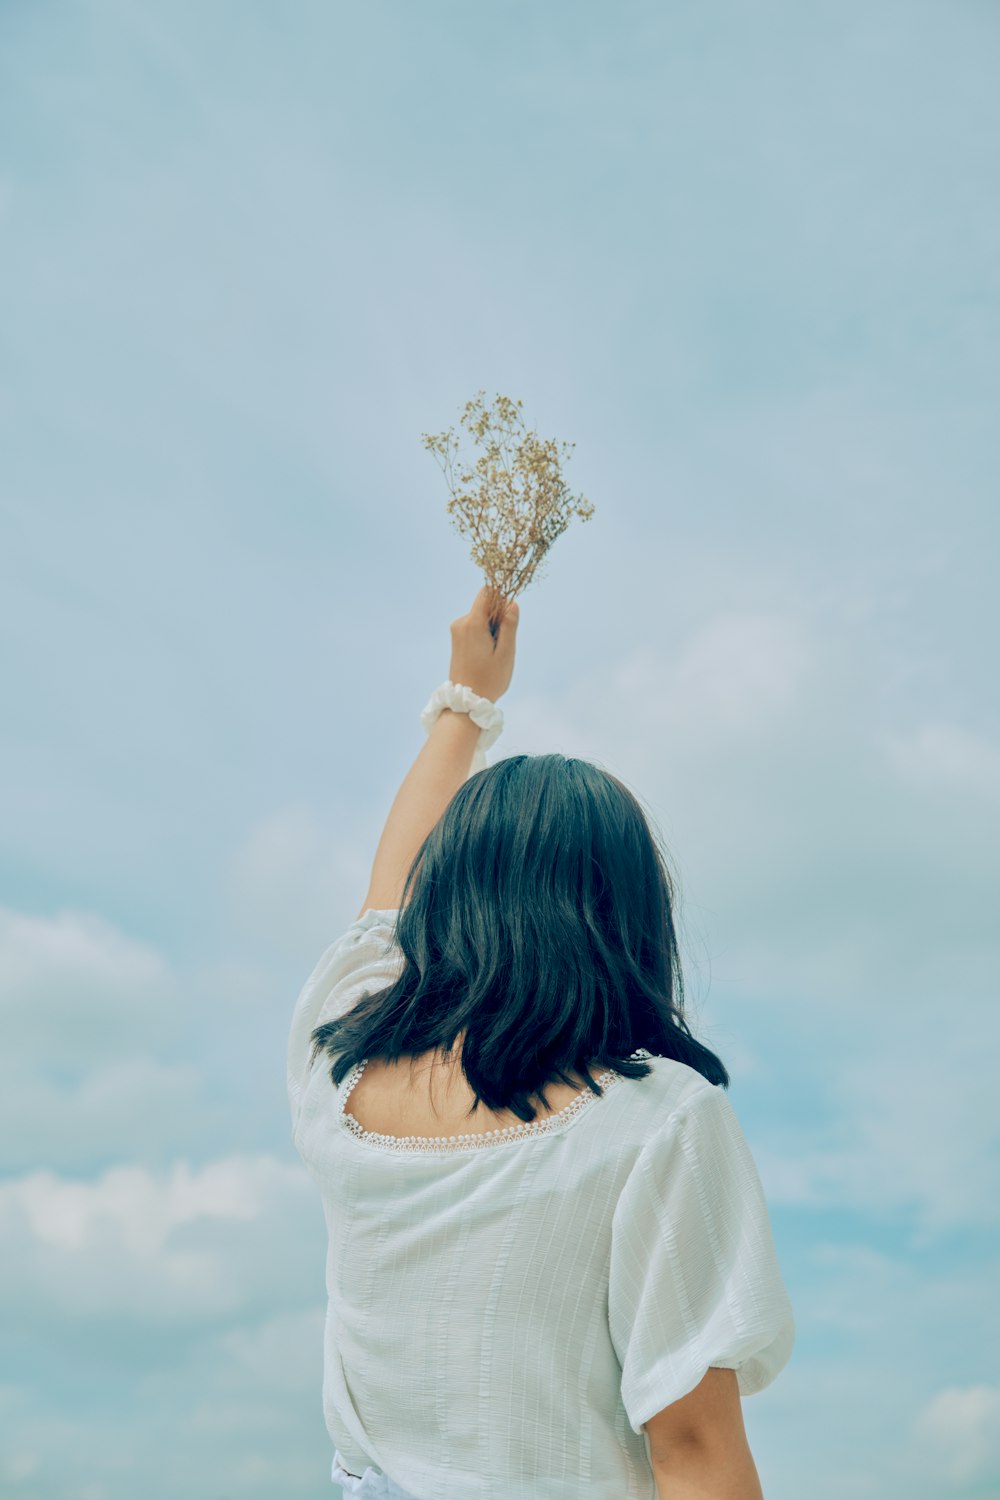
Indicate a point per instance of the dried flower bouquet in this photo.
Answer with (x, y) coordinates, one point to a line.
(517, 502)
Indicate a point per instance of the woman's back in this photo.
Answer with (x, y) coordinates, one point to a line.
(510, 1304)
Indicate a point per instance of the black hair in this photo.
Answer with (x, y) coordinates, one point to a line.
(537, 921)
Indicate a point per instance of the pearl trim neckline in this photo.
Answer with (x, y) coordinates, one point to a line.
(474, 1141)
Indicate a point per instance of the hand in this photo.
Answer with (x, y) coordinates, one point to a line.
(481, 660)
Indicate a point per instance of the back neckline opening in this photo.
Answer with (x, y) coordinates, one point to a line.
(471, 1141)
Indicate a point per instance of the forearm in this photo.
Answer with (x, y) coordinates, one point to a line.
(708, 1472)
(443, 764)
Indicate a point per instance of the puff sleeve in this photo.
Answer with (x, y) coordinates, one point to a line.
(363, 959)
(694, 1276)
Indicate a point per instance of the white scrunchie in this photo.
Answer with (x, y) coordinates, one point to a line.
(463, 700)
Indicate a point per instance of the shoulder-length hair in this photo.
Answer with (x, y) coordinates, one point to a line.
(537, 923)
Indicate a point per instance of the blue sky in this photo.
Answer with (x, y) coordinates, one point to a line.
(746, 258)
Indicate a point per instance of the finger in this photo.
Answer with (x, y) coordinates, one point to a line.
(489, 599)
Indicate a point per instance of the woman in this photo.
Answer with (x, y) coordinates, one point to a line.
(551, 1271)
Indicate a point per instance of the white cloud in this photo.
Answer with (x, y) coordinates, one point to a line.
(279, 1354)
(737, 673)
(899, 1128)
(183, 1244)
(185, 1423)
(94, 1022)
(77, 988)
(961, 1427)
(142, 1210)
(56, 1121)
(924, 1131)
(108, 1051)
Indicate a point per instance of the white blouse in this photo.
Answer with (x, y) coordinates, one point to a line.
(506, 1311)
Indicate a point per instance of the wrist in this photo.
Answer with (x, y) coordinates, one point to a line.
(456, 700)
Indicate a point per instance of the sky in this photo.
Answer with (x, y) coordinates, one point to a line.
(747, 260)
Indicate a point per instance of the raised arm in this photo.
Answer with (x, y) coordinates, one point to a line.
(480, 662)
(429, 785)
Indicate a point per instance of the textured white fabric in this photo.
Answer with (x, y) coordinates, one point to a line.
(462, 700)
(503, 1316)
(371, 1485)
